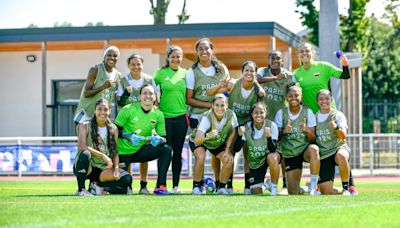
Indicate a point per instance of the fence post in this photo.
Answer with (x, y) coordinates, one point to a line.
(19, 160)
(371, 155)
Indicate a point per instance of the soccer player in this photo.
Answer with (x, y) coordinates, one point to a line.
(274, 80)
(172, 82)
(333, 149)
(101, 82)
(97, 157)
(204, 74)
(296, 124)
(128, 92)
(216, 133)
(141, 137)
(261, 136)
(314, 76)
(244, 93)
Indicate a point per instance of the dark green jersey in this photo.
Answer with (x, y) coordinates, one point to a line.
(240, 105)
(202, 84)
(257, 148)
(87, 104)
(295, 143)
(327, 139)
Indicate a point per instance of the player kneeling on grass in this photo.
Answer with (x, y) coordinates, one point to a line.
(216, 132)
(333, 149)
(261, 136)
(141, 129)
(97, 158)
(297, 127)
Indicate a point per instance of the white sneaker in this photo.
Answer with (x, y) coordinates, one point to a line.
(268, 184)
(176, 190)
(346, 193)
(94, 189)
(83, 192)
(304, 189)
(247, 191)
(144, 191)
(129, 191)
(197, 191)
(229, 190)
(314, 192)
(223, 191)
(274, 190)
(284, 192)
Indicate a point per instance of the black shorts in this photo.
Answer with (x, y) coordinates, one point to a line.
(257, 176)
(294, 162)
(193, 123)
(238, 144)
(95, 174)
(215, 152)
(327, 169)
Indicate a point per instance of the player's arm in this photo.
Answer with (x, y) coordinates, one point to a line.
(195, 103)
(91, 78)
(345, 73)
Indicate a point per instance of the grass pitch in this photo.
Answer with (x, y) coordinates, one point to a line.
(52, 204)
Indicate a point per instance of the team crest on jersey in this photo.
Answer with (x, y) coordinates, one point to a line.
(153, 121)
(316, 75)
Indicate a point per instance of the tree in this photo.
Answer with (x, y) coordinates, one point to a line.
(159, 12)
(63, 24)
(91, 24)
(309, 19)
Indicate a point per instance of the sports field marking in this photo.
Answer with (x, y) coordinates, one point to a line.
(199, 216)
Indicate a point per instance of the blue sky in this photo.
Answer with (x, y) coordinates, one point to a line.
(44, 13)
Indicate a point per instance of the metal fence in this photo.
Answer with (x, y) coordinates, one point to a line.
(55, 155)
(381, 116)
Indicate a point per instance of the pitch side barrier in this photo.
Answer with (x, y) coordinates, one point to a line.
(55, 155)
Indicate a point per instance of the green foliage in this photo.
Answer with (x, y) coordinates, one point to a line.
(368, 124)
(159, 11)
(309, 18)
(63, 24)
(393, 124)
(97, 24)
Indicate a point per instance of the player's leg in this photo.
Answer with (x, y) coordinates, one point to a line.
(311, 155)
(273, 163)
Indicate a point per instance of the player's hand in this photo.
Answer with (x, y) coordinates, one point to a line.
(227, 157)
(303, 126)
(212, 134)
(133, 138)
(288, 129)
(332, 123)
(343, 59)
(108, 84)
(129, 89)
(280, 76)
(241, 130)
(157, 140)
(108, 161)
(116, 173)
(267, 132)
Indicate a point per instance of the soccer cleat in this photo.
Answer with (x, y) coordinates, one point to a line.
(274, 190)
(83, 192)
(229, 190)
(353, 191)
(129, 191)
(176, 190)
(315, 192)
(284, 192)
(144, 191)
(346, 193)
(223, 191)
(268, 184)
(247, 191)
(94, 189)
(161, 190)
(197, 191)
(304, 189)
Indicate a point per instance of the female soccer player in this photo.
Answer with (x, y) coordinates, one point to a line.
(216, 133)
(97, 158)
(261, 136)
(333, 149)
(128, 92)
(101, 82)
(297, 128)
(171, 79)
(244, 93)
(141, 138)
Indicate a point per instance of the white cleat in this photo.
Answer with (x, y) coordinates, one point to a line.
(284, 192)
(129, 191)
(144, 191)
(346, 193)
(197, 191)
(268, 184)
(315, 192)
(176, 190)
(83, 192)
(274, 190)
(229, 190)
(247, 191)
(223, 191)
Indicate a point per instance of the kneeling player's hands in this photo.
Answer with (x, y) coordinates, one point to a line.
(212, 134)
(227, 157)
(157, 140)
(108, 161)
(133, 138)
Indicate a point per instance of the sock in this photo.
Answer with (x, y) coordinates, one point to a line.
(230, 181)
(274, 186)
(196, 184)
(143, 184)
(284, 182)
(345, 185)
(314, 182)
(217, 185)
(202, 182)
(246, 180)
(351, 181)
(221, 185)
(81, 168)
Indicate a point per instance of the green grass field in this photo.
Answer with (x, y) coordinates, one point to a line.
(52, 204)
